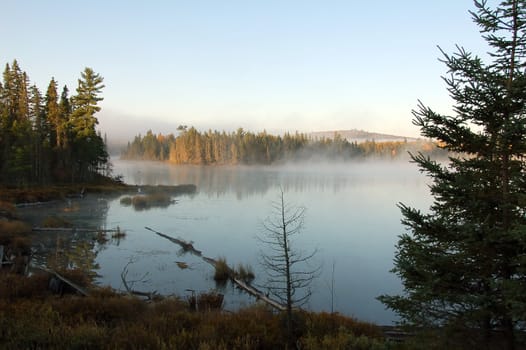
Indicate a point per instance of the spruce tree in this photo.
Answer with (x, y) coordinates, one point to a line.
(52, 111)
(463, 262)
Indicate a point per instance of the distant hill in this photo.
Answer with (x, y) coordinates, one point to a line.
(355, 135)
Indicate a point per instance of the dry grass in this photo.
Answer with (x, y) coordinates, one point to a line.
(55, 221)
(14, 227)
(31, 318)
(222, 271)
(126, 200)
(245, 272)
(206, 301)
(7, 210)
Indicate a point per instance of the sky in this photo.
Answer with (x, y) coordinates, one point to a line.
(278, 65)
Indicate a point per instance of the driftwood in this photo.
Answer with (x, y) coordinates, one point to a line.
(130, 291)
(241, 284)
(72, 284)
(33, 204)
(185, 245)
(72, 229)
(247, 287)
(258, 294)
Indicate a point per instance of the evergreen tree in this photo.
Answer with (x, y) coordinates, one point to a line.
(40, 136)
(87, 146)
(52, 111)
(463, 264)
(16, 127)
(85, 103)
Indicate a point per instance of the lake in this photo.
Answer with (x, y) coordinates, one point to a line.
(351, 218)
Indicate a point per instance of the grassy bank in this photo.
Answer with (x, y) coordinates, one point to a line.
(47, 193)
(31, 317)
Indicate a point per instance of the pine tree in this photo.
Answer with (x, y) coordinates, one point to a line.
(87, 147)
(463, 264)
(85, 103)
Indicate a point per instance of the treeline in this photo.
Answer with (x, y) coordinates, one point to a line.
(243, 147)
(49, 138)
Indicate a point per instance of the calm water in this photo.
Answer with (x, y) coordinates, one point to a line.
(351, 218)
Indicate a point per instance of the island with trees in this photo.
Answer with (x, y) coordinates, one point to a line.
(191, 146)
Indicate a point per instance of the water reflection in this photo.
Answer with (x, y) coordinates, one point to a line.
(76, 244)
(216, 181)
(351, 218)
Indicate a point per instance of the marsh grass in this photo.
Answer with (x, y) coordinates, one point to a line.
(207, 301)
(126, 200)
(56, 221)
(7, 210)
(32, 318)
(14, 227)
(245, 272)
(147, 201)
(222, 271)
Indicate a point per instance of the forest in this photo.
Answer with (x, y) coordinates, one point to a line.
(47, 139)
(244, 147)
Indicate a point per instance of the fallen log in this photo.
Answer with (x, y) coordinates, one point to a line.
(258, 294)
(185, 245)
(33, 204)
(72, 284)
(241, 284)
(72, 229)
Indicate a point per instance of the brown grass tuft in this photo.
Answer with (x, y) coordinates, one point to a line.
(14, 227)
(222, 271)
(55, 221)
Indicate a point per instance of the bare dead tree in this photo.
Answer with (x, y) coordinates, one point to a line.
(288, 269)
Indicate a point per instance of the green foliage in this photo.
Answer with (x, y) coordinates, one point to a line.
(44, 140)
(461, 263)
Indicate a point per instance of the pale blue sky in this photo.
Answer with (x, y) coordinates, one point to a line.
(267, 64)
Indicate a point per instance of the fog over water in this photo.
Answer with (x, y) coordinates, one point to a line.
(351, 218)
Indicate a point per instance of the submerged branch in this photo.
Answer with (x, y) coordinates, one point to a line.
(185, 245)
(241, 284)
